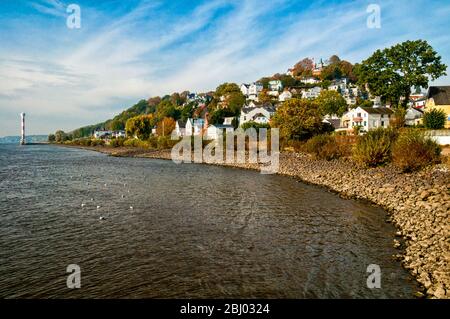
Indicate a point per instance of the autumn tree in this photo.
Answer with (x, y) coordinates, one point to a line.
(331, 103)
(392, 72)
(165, 127)
(298, 119)
(304, 67)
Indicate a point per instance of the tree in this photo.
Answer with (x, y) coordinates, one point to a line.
(390, 73)
(254, 125)
(334, 59)
(51, 138)
(331, 103)
(331, 72)
(60, 136)
(217, 116)
(304, 67)
(264, 97)
(298, 119)
(140, 126)
(434, 119)
(165, 127)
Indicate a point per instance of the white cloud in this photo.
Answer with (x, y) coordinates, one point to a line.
(112, 63)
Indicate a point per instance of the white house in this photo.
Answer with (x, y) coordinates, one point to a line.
(413, 116)
(194, 127)
(251, 91)
(286, 95)
(339, 85)
(259, 114)
(309, 80)
(367, 118)
(119, 134)
(312, 93)
(102, 134)
(215, 131)
(275, 85)
(180, 128)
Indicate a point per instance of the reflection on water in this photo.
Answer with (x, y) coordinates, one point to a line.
(194, 231)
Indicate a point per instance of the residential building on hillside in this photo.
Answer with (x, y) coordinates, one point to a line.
(194, 127)
(251, 91)
(312, 93)
(438, 98)
(180, 128)
(275, 85)
(102, 134)
(413, 116)
(286, 95)
(258, 113)
(309, 80)
(119, 134)
(367, 118)
(215, 131)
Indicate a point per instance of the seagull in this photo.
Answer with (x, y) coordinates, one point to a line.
(106, 185)
(123, 196)
(131, 207)
(92, 199)
(83, 204)
(98, 207)
(102, 218)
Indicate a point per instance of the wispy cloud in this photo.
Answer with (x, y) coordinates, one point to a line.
(130, 50)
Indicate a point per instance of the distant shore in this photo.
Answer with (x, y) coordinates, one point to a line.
(418, 204)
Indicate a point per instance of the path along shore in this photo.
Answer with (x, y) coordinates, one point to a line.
(418, 205)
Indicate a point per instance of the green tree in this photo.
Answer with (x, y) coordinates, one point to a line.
(390, 73)
(434, 119)
(298, 119)
(51, 138)
(331, 103)
(140, 126)
(60, 136)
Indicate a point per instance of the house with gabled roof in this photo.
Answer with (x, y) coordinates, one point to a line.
(438, 98)
(368, 118)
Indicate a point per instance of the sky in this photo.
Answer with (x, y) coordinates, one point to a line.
(125, 51)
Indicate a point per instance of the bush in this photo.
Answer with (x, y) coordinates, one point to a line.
(136, 143)
(375, 147)
(413, 151)
(326, 147)
(117, 142)
(434, 119)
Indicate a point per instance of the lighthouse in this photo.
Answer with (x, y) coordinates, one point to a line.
(22, 138)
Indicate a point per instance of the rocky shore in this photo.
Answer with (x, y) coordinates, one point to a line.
(418, 204)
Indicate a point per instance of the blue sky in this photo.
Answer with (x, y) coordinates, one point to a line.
(128, 50)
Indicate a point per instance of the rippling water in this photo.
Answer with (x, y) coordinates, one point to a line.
(194, 231)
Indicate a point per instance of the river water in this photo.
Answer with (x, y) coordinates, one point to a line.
(194, 231)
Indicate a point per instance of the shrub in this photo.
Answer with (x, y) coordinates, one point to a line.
(434, 119)
(375, 147)
(136, 143)
(326, 147)
(413, 151)
(117, 142)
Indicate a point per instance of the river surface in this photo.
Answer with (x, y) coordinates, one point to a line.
(194, 231)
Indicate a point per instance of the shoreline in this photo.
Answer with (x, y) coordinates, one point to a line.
(418, 204)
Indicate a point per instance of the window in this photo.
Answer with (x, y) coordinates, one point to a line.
(382, 115)
(382, 123)
(365, 123)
